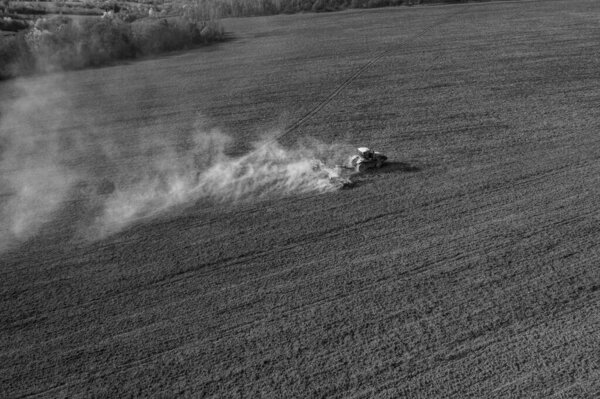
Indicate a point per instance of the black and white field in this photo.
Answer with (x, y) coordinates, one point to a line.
(164, 233)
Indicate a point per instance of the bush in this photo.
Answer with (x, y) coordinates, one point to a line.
(8, 55)
(15, 56)
(13, 25)
(156, 36)
(376, 3)
(318, 6)
(358, 4)
(211, 31)
(60, 43)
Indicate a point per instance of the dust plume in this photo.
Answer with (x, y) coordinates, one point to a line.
(33, 181)
(56, 163)
(204, 171)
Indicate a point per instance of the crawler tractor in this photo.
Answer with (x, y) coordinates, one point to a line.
(367, 159)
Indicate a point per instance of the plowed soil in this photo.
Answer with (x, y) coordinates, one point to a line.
(468, 267)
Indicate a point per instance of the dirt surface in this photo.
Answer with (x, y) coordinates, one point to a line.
(465, 268)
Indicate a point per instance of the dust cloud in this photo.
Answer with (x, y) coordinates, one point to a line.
(33, 179)
(54, 164)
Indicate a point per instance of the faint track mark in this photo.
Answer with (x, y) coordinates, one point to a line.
(359, 72)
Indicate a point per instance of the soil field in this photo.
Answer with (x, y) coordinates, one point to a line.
(468, 267)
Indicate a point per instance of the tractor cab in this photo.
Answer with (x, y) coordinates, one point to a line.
(365, 152)
(366, 159)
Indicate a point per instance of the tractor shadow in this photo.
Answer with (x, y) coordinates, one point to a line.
(371, 175)
(395, 167)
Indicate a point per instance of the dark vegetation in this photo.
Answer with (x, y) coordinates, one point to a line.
(246, 8)
(60, 42)
(47, 43)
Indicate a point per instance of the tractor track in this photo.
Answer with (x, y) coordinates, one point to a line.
(378, 56)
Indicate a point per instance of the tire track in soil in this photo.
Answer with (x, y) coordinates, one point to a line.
(359, 72)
